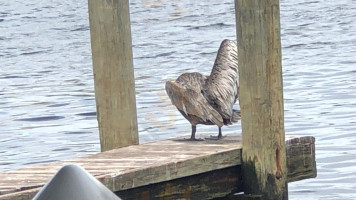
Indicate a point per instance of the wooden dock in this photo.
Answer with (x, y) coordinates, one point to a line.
(186, 170)
(166, 169)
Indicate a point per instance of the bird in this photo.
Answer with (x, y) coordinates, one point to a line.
(209, 100)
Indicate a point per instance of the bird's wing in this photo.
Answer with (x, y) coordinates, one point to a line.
(223, 83)
(192, 103)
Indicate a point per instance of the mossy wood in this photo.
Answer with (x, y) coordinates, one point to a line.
(113, 72)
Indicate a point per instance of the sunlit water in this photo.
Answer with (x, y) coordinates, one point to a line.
(47, 104)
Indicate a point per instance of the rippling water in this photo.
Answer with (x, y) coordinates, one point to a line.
(47, 105)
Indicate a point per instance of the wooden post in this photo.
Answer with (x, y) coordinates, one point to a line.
(113, 72)
(261, 98)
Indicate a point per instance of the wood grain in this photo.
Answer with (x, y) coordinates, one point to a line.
(160, 163)
(209, 185)
(301, 162)
(261, 98)
(114, 81)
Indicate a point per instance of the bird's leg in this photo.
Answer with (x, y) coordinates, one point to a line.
(194, 129)
(216, 137)
(220, 133)
(192, 137)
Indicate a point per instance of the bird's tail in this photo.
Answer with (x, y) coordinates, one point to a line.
(236, 116)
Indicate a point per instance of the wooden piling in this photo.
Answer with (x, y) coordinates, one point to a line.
(261, 98)
(113, 72)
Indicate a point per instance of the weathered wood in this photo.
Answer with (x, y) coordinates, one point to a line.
(160, 163)
(261, 98)
(22, 195)
(209, 185)
(113, 72)
(245, 197)
(137, 165)
(301, 162)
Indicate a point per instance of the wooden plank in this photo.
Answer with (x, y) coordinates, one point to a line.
(142, 164)
(261, 98)
(223, 183)
(241, 196)
(180, 160)
(113, 72)
(209, 185)
(301, 158)
(22, 195)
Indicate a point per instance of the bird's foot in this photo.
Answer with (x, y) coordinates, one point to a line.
(189, 139)
(219, 137)
(196, 139)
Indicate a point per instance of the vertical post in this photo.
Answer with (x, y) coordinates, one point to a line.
(113, 72)
(261, 98)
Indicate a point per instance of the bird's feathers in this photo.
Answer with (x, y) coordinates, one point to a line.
(222, 86)
(209, 98)
(193, 103)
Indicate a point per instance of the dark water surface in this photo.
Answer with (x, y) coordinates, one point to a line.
(47, 105)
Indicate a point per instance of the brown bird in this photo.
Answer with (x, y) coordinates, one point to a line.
(209, 100)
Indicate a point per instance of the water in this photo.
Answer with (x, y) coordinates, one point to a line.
(47, 104)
